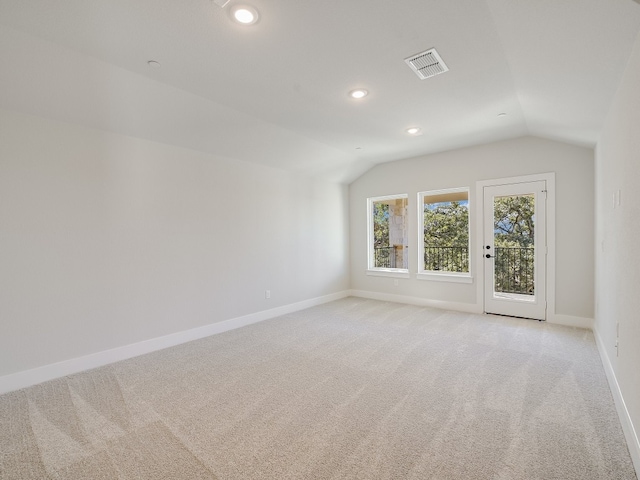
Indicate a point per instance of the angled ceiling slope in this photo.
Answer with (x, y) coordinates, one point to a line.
(276, 92)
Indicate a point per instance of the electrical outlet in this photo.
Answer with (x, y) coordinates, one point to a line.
(267, 294)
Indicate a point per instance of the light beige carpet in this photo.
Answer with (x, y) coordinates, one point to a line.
(354, 389)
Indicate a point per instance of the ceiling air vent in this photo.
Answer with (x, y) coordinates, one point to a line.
(427, 64)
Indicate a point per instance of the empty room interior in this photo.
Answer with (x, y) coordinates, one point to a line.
(352, 239)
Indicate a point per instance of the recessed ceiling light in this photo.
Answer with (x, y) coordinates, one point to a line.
(414, 131)
(244, 14)
(153, 63)
(358, 93)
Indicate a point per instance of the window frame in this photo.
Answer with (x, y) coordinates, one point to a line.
(458, 277)
(381, 271)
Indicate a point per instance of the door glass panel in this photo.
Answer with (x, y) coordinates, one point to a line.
(514, 224)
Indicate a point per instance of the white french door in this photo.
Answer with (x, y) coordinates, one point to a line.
(514, 249)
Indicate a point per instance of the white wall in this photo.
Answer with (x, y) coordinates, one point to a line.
(107, 240)
(573, 167)
(617, 249)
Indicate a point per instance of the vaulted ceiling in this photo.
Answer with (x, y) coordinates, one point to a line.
(276, 92)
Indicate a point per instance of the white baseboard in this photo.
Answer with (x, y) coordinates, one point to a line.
(571, 321)
(568, 320)
(16, 381)
(625, 419)
(421, 302)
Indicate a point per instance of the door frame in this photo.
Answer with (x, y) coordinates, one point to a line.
(550, 179)
(534, 307)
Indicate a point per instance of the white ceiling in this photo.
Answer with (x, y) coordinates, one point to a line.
(276, 93)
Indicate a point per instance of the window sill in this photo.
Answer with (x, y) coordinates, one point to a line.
(446, 277)
(389, 272)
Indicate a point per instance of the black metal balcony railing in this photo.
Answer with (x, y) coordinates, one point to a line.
(513, 265)
(384, 257)
(514, 270)
(446, 259)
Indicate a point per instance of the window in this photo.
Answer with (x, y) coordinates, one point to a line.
(444, 236)
(388, 245)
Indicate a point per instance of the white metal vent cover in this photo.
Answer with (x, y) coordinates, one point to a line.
(427, 64)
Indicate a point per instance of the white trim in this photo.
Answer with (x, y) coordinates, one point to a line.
(389, 197)
(570, 321)
(16, 381)
(550, 178)
(391, 272)
(623, 413)
(445, 277)
(421, 302)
